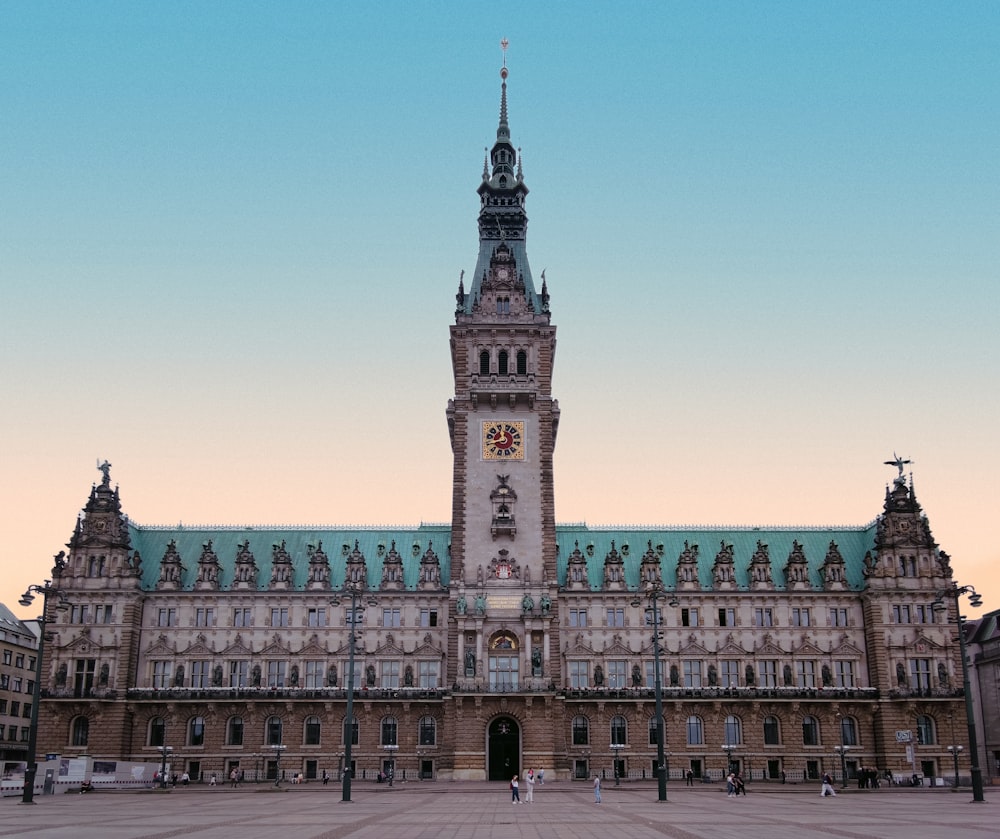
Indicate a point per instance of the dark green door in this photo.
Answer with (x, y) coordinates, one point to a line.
(504, 758)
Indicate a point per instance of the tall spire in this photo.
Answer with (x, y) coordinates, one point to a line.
(503, 130)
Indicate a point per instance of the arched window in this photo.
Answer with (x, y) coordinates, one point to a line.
(734, 731)
(312, 731)
(619, 731)
(388, 736)
(925, 731)
(503, 362)
(849, 731)
(695, 731)
(581, 731)
(196, 731)
(522, 363)
(810, 731)
(484, 363)
(427, 731)
(80, 731)
(234, 731)
(157, 732)
(772, 731)
(273, 731)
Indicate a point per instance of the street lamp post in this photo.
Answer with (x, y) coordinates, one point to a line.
(278, 749)
(975, 600)
(842, 750)
(727, 750)
(616, 750)
(655, 592)
(47, 590)
(256, 767)
(955, 751)
(354, 591)
(164, 751)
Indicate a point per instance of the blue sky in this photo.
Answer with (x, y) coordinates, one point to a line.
(230, 236)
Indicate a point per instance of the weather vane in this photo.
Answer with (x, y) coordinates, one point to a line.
(504, 43)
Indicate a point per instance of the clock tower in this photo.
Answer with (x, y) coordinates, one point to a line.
(503, 422)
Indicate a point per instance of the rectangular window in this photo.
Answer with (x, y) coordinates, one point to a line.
(201, 674)
(15, 709)
(16, 684)
(279, 616)
(29, 686)
(390, 674)
(316, 617)
(19, 660)
(617, 675)
(166, 617)
(7, 656)
(276, 674)
(578, 617)
(355, 618)
(242, 617)
(651, 674)
(900, 614)
(800, 617)
(727, 617)
(844, 673)
(579, 674)
(238, 673)
(838, 617)
(104, 614)
(805, 673)
(768, 674)
(920, 673)
(689, 617)
(31, 663)
(616, 617)
(4, 681)
(79, 614)
(692, 674)
(3, 706)
(923, 614)
(83, 677)
(390, 618)
(730, 674)
(763, 617)
(315, 673)
(428, 617)
(204, 617)
(161, 674)
(428, 675)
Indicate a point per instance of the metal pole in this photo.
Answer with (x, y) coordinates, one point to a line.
(977, 773)
(349, 721)
(31, 768)
(661, 777)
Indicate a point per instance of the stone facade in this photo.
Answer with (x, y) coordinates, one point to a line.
(503, 641)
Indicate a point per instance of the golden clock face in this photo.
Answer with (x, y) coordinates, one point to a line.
(503, 440)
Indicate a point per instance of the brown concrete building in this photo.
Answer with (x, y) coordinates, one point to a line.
(503, 640)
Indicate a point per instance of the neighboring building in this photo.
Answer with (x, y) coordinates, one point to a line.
(17, 685)
(983, 647)
(502, 640)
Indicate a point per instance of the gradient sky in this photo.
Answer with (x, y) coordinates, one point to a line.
(231, 235)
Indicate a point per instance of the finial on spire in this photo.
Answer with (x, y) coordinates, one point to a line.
(504, 43)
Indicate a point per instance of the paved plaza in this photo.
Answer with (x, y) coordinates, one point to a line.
(561, 810)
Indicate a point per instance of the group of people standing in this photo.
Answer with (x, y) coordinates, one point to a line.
(529, 782)
(735, 785)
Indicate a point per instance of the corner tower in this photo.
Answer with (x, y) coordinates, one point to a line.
(502, 422)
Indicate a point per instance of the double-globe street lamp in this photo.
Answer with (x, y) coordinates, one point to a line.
(278, 749)
(165, 751)
(955, 752)
(353, 591)
(46, 590)
(655, 593)
(955, 591)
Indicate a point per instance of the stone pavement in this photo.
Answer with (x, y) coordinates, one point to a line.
(561, 810)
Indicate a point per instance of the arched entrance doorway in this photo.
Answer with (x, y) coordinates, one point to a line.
(503, 749)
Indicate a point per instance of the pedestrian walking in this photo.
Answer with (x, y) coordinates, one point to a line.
(827, 788)
(529, 793)
(597, 789)
(541, 777)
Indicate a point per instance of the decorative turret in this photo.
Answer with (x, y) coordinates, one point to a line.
(100, 548)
